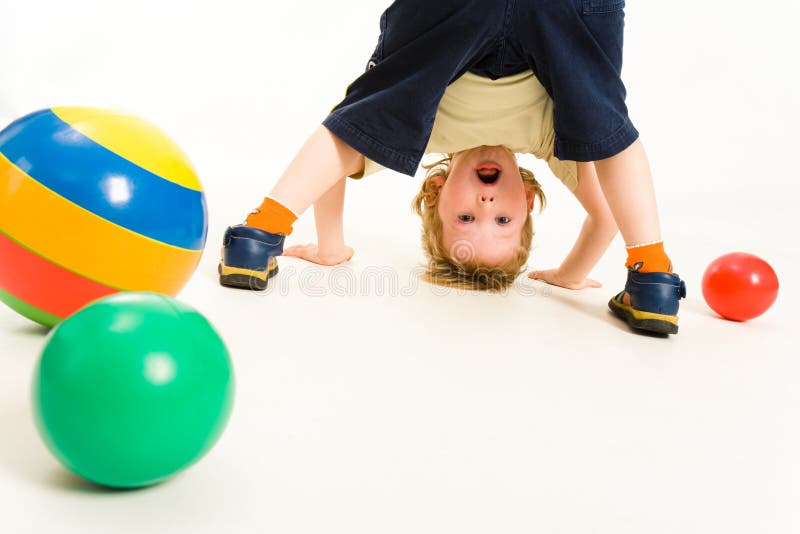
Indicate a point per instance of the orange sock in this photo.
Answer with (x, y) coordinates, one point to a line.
(648, 258)
(272, 217)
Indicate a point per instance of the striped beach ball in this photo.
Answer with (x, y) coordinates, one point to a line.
(93, 202)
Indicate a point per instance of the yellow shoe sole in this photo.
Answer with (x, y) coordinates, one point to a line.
(246, 278)
(642, 320)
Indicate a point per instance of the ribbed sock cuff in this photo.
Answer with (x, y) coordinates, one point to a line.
(273, 217)
(648, 258)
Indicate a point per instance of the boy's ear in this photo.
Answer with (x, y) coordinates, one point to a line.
(434, 187)
(530, 194)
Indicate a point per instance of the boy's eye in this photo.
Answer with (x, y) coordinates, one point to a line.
(502, 220)
(466, 218)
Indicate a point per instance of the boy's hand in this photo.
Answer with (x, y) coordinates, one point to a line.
(552, 277)
(311, 252)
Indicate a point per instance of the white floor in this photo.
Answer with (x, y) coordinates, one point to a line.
(364, 407)
(390, 406)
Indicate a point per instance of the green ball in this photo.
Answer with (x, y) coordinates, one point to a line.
(132, 389)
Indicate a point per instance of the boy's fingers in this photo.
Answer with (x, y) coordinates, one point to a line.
(294, 249)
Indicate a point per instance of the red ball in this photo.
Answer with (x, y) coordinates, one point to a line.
(740, 286)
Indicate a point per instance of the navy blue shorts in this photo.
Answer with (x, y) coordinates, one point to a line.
(573, 46)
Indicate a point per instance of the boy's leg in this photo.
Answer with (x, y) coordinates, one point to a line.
(652, 292)
(322, 161)
(249, 250)
(386, 115)
(628, 187)
(575, 48)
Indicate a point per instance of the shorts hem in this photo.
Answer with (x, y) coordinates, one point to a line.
(606, 148)
(371, 148)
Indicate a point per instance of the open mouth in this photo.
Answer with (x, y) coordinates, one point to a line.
(488, 175)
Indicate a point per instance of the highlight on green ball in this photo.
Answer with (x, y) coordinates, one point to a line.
(132, 389)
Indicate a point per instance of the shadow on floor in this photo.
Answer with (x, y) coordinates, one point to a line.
(63, 479)
(590, 309)
(32, 329)
(24, 457)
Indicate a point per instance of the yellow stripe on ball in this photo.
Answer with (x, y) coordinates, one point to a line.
(134, 139)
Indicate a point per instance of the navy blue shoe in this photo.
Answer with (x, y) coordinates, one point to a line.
(248, 257)
(654, 301)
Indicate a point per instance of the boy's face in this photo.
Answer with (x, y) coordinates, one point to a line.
(483, 205)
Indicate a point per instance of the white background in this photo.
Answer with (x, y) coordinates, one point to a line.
(533, 411)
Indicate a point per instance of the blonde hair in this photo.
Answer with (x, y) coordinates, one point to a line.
(445, 269)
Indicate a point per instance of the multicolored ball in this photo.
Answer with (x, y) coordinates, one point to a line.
(93, 202)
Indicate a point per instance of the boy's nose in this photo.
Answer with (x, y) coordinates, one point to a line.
(485, 198)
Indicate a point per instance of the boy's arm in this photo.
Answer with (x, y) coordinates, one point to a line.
(328, 216)
(596, 235)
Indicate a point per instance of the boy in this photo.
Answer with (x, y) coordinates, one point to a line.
(574, 48)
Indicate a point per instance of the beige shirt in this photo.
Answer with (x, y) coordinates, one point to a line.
(514, 111)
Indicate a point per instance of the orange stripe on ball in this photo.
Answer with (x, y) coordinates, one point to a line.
(54, 289)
